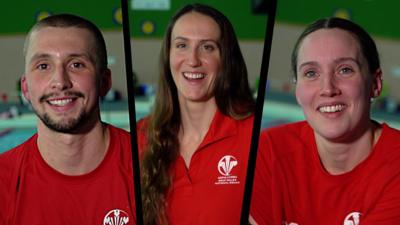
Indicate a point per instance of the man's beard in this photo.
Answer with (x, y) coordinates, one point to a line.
(69, 125)
(66, 125)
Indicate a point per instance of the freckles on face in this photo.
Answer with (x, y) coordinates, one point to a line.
(333, 83)
(195, 56)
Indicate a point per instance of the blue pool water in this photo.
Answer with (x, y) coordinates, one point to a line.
(273, 114)
(14, 137)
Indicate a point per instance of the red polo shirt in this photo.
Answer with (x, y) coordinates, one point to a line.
(210, 191)
(292, 187)
(32, 192)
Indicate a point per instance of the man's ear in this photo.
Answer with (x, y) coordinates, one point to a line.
(24, 88)
(105, 82)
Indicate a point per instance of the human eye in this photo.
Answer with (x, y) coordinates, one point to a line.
(346, 70)
(42, 66)
(209, 47)
(180, 45)
(310, 74)
(76, 65)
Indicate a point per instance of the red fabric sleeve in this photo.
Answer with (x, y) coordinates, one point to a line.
(387, 209)
(261, 207)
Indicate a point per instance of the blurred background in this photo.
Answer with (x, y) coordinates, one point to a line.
(17, 121)
(378, 18)
(148, 20)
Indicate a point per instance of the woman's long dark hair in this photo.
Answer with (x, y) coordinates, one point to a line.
(233, 98)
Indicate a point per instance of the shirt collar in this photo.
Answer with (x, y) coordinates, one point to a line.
(222, 126)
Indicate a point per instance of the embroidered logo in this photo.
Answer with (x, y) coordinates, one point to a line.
(116, 217)
(225, 167)
(352, 219)
(226, 164)
(286, 223)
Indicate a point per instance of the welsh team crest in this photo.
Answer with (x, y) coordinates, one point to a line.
(225, 167)
(352, 219)
(226, 164)
(116, 217)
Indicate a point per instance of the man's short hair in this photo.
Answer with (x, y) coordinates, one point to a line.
(69, 20)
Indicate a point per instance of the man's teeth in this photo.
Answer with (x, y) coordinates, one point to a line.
(60, 102)
(331, 108)
(194, 75)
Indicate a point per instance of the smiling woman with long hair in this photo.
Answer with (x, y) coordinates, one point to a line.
(194, 145)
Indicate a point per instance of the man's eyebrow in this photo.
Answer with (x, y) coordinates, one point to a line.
(82, 55)
(39, 56)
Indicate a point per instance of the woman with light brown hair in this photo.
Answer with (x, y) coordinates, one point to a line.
(194, 145)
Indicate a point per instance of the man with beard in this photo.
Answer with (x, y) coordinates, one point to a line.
(76, 168)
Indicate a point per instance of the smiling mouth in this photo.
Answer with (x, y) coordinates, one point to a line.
(60, 102)
(332, 108)
(193, 76)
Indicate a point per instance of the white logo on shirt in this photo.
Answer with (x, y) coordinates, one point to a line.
(116, 217)
(286, 223)
(226, 164)
(352, 219)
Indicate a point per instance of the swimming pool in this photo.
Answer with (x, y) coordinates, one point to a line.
(18, 130)
(275, 113)
(14, 136)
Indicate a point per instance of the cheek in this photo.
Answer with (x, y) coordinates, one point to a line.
(87, 83)
(175, 60)
(31, 89)
(90, 84)
(358, 95)
(173, 66)
(213, 63)
(303, 94)
(358, 90)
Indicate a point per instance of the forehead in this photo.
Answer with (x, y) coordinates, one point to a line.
(327, 44)
(59, 41)
(196, 26)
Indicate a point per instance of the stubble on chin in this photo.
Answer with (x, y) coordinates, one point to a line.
(68, 125)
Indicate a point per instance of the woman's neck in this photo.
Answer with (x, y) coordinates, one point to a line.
(196, 118)
(342, 157)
